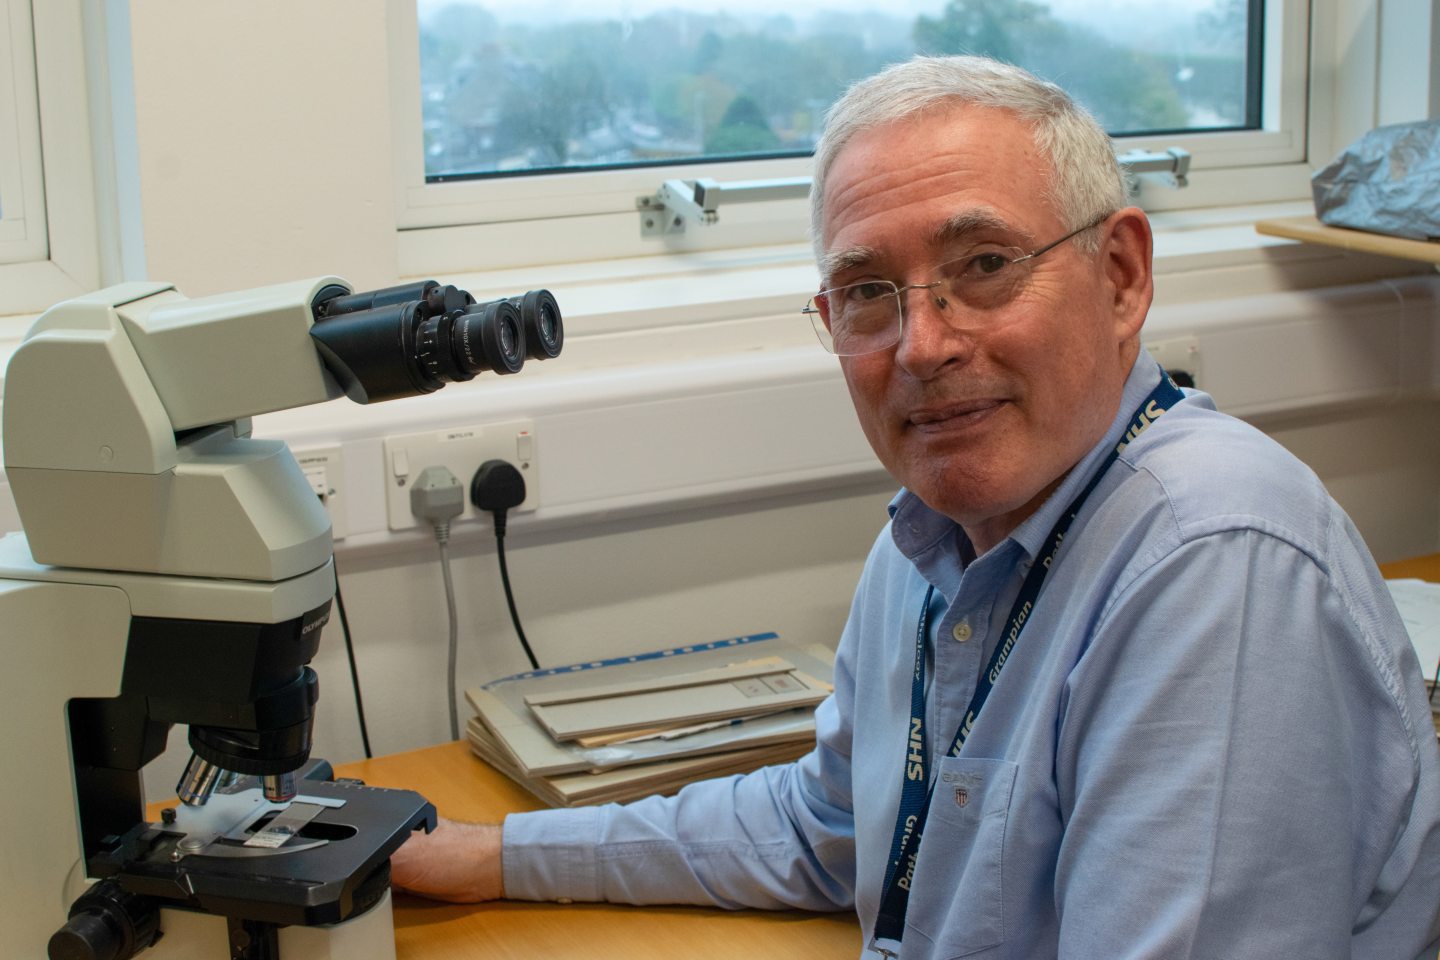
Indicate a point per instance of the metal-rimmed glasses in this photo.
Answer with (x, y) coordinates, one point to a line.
(868, 316)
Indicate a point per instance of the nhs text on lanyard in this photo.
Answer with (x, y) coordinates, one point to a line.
(916, 790)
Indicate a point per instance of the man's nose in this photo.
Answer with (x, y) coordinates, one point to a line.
(929, 338)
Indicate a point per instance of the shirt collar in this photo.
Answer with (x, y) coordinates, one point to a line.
(917, 529)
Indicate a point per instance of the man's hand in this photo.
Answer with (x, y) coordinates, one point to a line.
(459, 862)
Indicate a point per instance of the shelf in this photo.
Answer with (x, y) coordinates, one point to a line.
(1311, 230)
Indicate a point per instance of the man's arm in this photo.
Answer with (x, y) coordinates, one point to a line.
(1239, 769)
(780, 837)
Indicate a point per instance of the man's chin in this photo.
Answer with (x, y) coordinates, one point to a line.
(986, 514)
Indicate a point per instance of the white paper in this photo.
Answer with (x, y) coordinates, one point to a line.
(1419, 604)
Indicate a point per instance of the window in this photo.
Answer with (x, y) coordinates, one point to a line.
(22, 193)
(508, 90)
(509, 116)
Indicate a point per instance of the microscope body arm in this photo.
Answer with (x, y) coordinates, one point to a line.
(126, 432)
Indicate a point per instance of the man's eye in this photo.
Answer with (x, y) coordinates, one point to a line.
(865, 292)
(986, 264)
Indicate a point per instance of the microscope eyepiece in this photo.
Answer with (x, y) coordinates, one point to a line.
(545, 334)
(489, 336)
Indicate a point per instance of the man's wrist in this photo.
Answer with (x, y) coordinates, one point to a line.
(459, 862)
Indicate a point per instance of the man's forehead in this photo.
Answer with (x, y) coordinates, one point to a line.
(978, 224)
(948, 127)
(983, 159)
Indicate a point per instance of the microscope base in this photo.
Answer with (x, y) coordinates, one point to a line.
(200, 936)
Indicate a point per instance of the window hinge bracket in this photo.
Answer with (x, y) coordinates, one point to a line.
(680, 202)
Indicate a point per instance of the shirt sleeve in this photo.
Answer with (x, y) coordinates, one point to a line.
(783, 836)
(1235, 749)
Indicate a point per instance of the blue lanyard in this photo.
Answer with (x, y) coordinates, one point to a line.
(916, 790)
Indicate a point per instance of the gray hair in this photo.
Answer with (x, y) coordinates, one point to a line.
(1086, 182)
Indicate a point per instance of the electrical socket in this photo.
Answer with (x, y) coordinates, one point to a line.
(324, 467)
(462, 449)
(1180, 353)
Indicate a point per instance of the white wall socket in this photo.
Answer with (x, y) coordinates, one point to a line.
(1179, 353)
(462, 450)
(324, 467)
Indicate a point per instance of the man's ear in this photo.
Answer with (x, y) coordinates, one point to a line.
(822, 306)
(1125, 258)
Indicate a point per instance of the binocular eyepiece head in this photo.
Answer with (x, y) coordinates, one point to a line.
(415, 338)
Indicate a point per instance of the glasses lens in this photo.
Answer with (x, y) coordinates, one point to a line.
(856, 319)
(985, 279)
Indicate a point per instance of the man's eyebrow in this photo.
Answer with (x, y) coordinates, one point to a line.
(965, 225)
(833, 263)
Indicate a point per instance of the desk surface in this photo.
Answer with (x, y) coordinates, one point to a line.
(463, 787)
(1420, 568)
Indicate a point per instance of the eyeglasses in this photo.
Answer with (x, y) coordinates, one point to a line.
(869, 316)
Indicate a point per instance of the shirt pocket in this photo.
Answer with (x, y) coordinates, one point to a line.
(957, 906)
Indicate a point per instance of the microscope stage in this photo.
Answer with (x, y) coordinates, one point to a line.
(229, 861)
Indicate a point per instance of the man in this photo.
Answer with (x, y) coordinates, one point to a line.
(1130, 683)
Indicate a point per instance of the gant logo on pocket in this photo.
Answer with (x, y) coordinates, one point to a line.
(962, 783)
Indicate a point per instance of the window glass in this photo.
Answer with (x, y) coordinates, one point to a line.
(510, 87)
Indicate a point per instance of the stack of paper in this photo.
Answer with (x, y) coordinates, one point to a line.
(616, 730)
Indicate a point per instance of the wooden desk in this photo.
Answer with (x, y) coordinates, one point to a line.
(1420, 568)
(463, 787)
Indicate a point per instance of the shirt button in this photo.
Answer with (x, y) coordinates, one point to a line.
(961, 631)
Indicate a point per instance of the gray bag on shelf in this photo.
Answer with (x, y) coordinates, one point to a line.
(1388, 181)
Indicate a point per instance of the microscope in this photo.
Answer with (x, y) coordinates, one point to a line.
(175, 569)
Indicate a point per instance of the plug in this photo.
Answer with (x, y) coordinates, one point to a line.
(438, 497)
(496, 488)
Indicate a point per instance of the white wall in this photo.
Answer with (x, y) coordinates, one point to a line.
(263, 141)
(261, 154)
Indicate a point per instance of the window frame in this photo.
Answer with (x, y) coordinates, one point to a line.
(70, 261)
(1264, 165)
(23, 234)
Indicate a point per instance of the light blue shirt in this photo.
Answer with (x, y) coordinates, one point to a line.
(1212, 739)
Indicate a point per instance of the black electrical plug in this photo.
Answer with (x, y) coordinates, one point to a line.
(496, 488)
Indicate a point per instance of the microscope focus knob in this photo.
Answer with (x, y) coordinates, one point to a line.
(106, 924)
